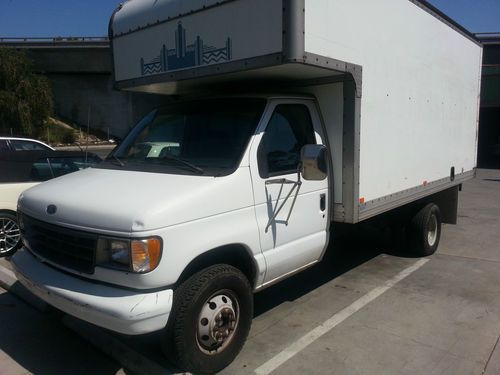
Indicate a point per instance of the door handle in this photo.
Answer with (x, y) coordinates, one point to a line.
(322, 202)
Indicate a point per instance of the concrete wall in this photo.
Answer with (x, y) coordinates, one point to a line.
(110, 110)
(80, 72)
(490, 93)
(489, 120)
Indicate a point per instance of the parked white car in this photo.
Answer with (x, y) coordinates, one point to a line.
(23, 170)
(9, 230)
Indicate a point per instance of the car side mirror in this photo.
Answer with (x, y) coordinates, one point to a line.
(313, 162)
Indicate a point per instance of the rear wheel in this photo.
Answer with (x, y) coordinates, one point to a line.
(210, 320)
(425, 230)
(10, 235)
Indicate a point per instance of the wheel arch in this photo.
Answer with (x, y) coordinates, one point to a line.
(236, 255)
(7, 211)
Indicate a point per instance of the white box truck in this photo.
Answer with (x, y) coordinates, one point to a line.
(287, 116)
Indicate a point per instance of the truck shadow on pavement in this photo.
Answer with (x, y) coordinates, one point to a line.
(346, 251)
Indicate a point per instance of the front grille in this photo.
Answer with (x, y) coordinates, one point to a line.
(62, 246)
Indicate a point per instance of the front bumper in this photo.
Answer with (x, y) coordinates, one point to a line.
(121, 310)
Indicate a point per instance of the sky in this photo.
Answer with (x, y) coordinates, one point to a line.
(50, 18)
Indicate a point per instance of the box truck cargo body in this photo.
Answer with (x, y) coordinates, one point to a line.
(287, 117)
(410, 117)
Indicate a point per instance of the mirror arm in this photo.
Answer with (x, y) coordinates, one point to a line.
(295, 187)
(298, 185)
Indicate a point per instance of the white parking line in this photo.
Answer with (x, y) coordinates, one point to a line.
(335, 320)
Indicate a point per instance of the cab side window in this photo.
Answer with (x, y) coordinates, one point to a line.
(289, 129)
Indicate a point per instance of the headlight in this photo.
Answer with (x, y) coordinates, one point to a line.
(139, 256)
(146, 254)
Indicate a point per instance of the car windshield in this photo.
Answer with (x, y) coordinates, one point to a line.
(198, 137)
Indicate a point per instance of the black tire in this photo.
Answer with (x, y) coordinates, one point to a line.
(198, 300)
(425, 230)
(10, 236)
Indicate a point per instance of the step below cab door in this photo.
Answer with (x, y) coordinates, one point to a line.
(292, 213)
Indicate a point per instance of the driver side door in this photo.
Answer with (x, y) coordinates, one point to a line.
(292, 216)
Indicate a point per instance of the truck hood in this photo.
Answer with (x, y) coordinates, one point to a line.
(126, 201)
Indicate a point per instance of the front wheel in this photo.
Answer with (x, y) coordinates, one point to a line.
(210, 320)
(10, 235)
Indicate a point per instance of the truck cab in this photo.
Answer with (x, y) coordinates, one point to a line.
(239, 181)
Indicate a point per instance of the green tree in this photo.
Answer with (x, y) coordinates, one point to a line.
(25, 97)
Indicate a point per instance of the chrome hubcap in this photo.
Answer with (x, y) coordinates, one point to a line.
(433, 231)
(10, 235)
(217, 322)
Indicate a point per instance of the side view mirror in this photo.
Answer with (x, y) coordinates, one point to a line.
(313, 162)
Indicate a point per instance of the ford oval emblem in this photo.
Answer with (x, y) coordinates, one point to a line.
(51, 209)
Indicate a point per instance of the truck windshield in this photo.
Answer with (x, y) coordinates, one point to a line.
(205, 137)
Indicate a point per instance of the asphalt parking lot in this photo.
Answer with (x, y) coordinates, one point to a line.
(363, 311)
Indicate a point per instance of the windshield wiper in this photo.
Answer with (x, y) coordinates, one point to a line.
(183, 162)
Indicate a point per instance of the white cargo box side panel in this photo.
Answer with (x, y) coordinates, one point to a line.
(226, 31)
(420, 89)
